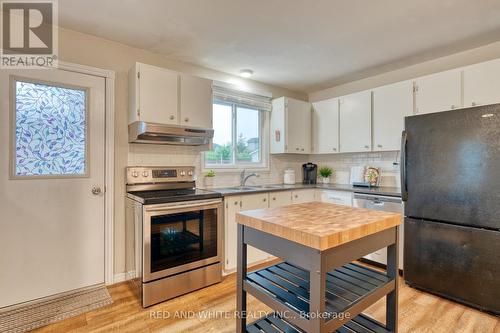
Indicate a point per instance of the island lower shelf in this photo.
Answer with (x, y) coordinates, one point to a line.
(275, 324)
(318, 287)
(349, 289)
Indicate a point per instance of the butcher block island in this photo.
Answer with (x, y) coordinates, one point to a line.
(318, 287)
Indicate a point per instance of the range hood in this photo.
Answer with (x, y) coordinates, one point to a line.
(143, 132)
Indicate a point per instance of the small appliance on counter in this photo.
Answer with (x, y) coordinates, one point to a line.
(289, 177)
(309, 173)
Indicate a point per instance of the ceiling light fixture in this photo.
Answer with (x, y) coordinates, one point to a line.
(246, 73)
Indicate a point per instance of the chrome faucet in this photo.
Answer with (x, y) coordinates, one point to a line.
(244, 178)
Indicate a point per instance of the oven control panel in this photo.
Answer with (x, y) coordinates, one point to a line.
(149, 175)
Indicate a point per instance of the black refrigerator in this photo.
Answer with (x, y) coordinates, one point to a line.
(450, 182)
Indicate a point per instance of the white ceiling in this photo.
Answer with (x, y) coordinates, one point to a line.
(303, 45)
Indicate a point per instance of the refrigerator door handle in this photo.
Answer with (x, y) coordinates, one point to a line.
(404, 188)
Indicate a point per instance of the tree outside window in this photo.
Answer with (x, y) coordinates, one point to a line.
(237, 135)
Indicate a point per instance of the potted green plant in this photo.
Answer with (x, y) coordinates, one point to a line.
(209, 178)
(325, 173)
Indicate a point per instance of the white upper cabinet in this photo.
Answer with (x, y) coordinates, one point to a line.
(482, 83)
(438, 92)
(153, 94)
(391, 104)
(196, 101)
(158, 95)
(355, 122)
(290, 126)
(325, 126)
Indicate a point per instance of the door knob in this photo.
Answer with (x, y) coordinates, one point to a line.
(96, 190)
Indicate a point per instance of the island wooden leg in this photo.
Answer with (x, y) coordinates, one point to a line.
(241, 274)
(391, 311)
(317, 295)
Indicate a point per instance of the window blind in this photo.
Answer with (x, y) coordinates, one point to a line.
(229, 95)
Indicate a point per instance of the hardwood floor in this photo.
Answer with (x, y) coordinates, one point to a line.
(418, 312)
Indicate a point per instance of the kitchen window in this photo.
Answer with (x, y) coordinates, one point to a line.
(240, 127)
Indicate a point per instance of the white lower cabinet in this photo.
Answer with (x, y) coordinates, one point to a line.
(233, 205)
(301, 196)
(380, 256)
(278, 199)
(335, 197)
(249, 202)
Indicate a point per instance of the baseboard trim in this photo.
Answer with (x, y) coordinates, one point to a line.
(125, 276)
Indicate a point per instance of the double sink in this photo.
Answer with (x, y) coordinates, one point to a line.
(254, 188)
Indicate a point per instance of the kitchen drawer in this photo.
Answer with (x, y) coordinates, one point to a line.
(335, 197)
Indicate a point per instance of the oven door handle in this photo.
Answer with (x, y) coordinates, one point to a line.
(189, 204)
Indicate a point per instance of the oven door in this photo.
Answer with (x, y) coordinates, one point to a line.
(181, 236)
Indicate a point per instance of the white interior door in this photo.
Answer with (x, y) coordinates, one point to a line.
(52, 149)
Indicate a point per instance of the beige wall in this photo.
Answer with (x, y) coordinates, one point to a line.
(89, 50)
(472, 56)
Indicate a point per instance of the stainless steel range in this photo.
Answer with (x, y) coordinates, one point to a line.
(174, 230)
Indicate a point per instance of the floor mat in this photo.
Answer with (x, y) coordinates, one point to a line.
(28, 316)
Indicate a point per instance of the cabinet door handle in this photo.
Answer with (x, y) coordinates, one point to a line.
(380, 146)
(264, 199)
(172, 117)
(453, 107)
(274, 199)
(186, 119)
(334, 149)
(297, 148)
(236, 203)
(474, 104)
(295, 196)
(302, 149)
(367, 147)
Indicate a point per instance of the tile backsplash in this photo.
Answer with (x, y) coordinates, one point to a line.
(156, 155)
(151, 155)
(342, 163)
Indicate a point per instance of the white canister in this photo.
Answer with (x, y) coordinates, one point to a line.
(289, 177)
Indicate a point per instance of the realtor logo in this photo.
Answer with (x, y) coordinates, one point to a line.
(29, 34)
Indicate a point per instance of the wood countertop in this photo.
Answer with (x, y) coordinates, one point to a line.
(318, 225)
